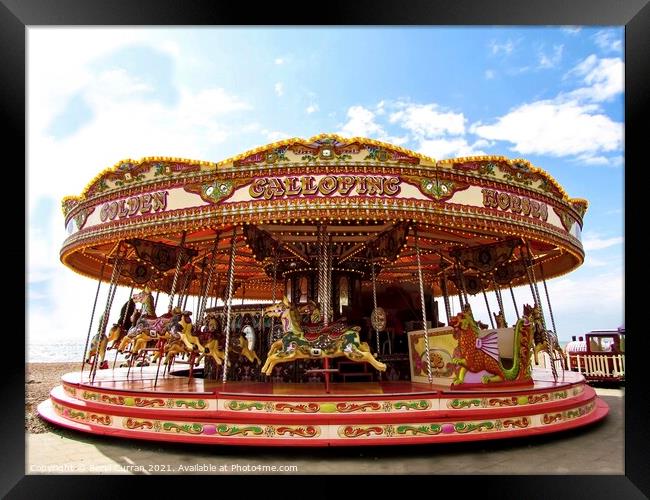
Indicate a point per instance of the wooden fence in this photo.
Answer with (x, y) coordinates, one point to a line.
(595, 366)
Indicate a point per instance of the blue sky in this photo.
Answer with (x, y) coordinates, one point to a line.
(551, 95)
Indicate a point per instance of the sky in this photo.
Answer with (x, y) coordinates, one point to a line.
(551, 95)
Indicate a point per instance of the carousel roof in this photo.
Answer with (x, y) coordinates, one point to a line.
(373, 199)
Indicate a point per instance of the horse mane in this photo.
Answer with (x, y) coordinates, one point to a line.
(126, 314)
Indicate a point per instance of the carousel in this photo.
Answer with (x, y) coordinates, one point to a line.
(317, 293)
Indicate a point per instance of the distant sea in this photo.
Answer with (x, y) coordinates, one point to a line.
(55, 353)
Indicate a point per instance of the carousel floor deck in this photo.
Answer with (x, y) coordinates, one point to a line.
(355, 413)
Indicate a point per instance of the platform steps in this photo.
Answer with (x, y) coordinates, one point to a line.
(325, 420)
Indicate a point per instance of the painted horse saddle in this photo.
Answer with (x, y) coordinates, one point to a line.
(333, 330)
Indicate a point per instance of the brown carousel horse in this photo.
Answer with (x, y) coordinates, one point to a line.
(129, 315)
(543, 339)
(320, 342)
(500, 319)
(183, 341)
(148, 327)
(97, 349)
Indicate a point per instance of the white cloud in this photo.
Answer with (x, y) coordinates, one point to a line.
(312, 108)
(602, 292)
(608, 41)
(451, 147)
(593, 241)
(489, 74)
(555, 128)
(279, 89)
(571, 30)
(274, 135)
(361, 123)
(428, 120)
(279, 60)
(506, 48)
(591, 261)
(551, 61)
(604, 78)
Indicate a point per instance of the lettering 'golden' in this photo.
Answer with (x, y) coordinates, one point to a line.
(130, 207)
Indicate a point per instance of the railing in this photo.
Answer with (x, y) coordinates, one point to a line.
(597, 366)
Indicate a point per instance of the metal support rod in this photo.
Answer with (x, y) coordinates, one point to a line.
(321, 268)
(182, 296)
(374, 296)
(231, 279)
(530, 270)
(497, 292)
(487, 304)
(117, 270)
(204, 293)
(424, 312)
(92, 315)
(460, 280)
(178, 266)
(328, 281)
(514, 302)
(548, 300)
(122, 320)
(446, 297)
(275, 284)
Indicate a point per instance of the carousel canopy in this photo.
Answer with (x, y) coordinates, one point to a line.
(489, 216)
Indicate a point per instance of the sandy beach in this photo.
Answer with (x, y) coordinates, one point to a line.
(40, 378)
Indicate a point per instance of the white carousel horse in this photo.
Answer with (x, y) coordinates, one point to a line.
(334, 341)
(240, 345)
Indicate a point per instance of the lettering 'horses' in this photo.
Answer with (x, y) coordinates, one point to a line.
(333, 341)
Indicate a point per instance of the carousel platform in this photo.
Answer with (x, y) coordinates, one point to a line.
(178, 409)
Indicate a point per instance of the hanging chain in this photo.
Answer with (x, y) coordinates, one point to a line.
(424, 312)
(231, 279)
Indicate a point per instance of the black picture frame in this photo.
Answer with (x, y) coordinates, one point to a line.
(17, 15)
